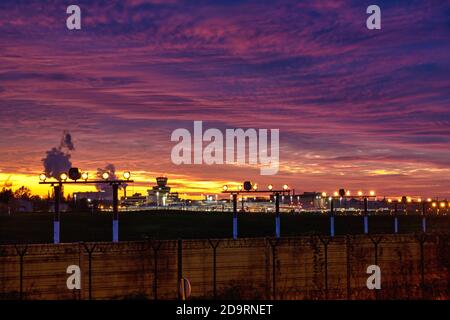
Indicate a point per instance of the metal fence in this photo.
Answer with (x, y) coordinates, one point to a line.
(308, 267)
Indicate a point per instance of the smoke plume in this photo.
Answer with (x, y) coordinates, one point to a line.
(111, 169)
(57, 160)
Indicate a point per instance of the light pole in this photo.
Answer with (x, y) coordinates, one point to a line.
(331, 216)
(56, 230)
(252, 188)
(424, 218)
(235, 222)
(75, 175)
(342, 194)
(366, 215)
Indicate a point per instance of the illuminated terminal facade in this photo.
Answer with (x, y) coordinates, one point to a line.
(160, 194)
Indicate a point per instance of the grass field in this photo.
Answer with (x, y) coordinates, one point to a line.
(38, 227)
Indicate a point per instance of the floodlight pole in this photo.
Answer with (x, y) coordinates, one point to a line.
(235, 223)
(57, 186)
(56, 229)
(277, 214)
(275, 193)
(396, 218)
(332, 217)
(366, 216)
(424, 218)
(115, 191)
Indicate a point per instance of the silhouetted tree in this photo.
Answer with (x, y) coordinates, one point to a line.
(22, 193)
(6, 195)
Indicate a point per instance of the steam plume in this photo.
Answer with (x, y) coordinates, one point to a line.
(57, 160)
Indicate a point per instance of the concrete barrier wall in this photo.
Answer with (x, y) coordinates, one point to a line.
(310, 267)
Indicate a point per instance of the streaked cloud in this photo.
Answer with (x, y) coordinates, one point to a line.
(355, 107)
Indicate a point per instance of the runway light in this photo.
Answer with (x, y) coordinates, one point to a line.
(225, 188)
(270, 187)
(285, 187)
(42, 177)
(63, 176)
(84, 176)
(105, 175)
(127, 175)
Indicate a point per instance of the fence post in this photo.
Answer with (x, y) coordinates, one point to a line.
(180, 265)
(89, 250)
(376, 242)
(273, 245)
(422, 239)
(325, 243)
(21, 251)
(349, 269)
(214, 246)
(155, 266)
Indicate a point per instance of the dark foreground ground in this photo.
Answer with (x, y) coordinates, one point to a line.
(38, 227)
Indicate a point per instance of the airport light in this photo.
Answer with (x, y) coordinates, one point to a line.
(105, 175)
(270, 187)
(225, 188)
(419, 200)
(85, 176)
(429, 200)
(434, 204)
(336, 193)
(127, 175)
(324, 194)
(239, 187)
(442, 204)
(42, 177)
(360, 193)
(63, 176)
(285, 187)
(372, 193)
(255, 187)
(390, 200)
(348, 193)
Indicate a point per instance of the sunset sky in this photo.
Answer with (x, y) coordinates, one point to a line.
(356, 108)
